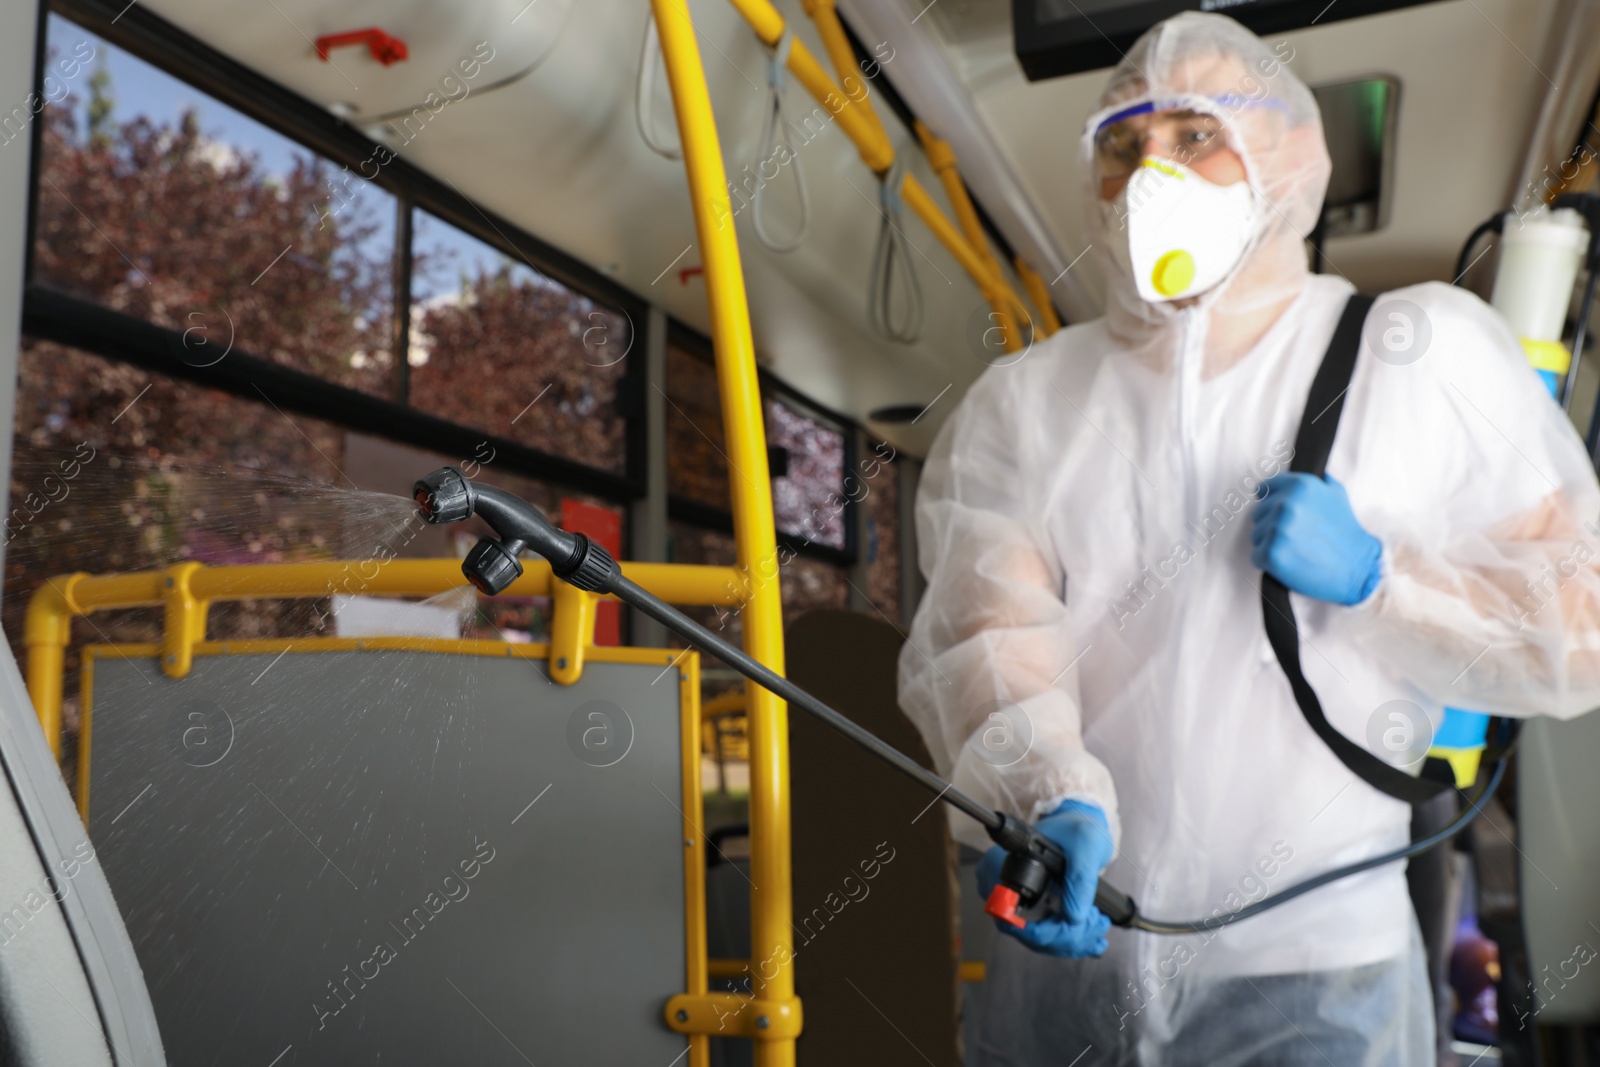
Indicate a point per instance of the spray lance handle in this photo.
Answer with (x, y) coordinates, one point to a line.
(1032, 863)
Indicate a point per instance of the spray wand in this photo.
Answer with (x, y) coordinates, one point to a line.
(1033, 861)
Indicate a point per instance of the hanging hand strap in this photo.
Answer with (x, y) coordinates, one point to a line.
(778, 125)
(644, 93)
(893, 253)
(1312, 445)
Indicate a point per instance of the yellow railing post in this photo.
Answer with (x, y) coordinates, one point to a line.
(184, 624)
(826, 18)
(754, 534)
(45, 634)
(858, 123)
(1039, 292)
(571, 631)
(1003, 302)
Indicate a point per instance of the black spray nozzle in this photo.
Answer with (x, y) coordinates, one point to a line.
(447, 495)
(443, 496)
(491, 566)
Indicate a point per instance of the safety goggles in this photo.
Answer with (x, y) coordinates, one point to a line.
(1185, 128)
(1185, 136)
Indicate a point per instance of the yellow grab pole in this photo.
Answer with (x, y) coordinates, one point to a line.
(1039, 292)
(1001, 297)
(826, 18)
(1002, 301)
(47, 630)
(942, 158)
(754, 535)
(859, 124)
(998, 294)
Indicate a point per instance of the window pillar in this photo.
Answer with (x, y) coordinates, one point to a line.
(19, 50)
(648, 521)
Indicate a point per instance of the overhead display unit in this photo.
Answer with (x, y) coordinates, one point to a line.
(1056, 37)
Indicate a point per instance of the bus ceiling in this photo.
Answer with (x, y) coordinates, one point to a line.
(528, 109)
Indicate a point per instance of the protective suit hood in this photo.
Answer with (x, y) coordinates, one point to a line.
(1212, 64)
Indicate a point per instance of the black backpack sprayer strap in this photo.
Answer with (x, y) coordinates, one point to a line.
(1312, 445)
(1033, 861)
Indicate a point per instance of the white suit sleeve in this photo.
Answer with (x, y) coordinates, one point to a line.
(984, 673)
(1492, 603)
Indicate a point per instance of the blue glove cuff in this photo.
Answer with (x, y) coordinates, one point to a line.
(1085, 808)
(1374, 574)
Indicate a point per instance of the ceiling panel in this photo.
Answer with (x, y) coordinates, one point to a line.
(558, 153)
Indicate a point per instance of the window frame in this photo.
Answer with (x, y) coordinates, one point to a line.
(114, 335)
(695, 513)
(93, 328)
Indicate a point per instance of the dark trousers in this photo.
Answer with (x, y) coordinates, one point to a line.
(1435, 881)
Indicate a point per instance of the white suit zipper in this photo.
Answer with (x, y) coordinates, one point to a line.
(1190, 357)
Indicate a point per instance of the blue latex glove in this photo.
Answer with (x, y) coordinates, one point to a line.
(1306, 536)
(1084, 835)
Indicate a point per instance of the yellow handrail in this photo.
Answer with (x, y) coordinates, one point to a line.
(1039, 293)
(860, 123)
(826, 18)
(942, 158)
(186, 590)
(772, 1016)
(863, 129)
(729, 703)
(1003, 302)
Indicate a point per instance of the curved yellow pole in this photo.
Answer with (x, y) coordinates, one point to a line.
(826, 18)
(860, 124)
(46, 633)
(1003, 301)
(754, 535)
(1039, 292)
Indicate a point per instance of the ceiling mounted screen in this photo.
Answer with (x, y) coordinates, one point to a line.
(1056, 37)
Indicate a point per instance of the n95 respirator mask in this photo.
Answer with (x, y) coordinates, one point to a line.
(1178, 233)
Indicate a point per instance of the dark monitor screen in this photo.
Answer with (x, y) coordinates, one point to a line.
(1056, 37)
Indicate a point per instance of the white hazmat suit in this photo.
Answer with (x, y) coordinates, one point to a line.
(1084, 527)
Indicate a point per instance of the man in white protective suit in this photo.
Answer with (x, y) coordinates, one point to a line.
(1090, 653)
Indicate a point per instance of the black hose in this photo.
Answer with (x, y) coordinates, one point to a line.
(687, 628)
(448, 496)
(1578, 354)
(1416, 848)
(1493, 224)
(673, 619)
(1585, 306)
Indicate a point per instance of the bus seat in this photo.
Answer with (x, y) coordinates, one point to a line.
(875, 903)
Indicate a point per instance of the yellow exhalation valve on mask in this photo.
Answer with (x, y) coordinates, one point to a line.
(1184, 233)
